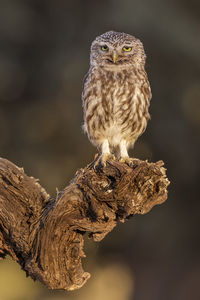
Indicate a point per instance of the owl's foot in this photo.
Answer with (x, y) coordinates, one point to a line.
(124, 158)
(105, 154)
(103, 158)
(127, 160)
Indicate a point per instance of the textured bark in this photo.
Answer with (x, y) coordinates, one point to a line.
(45, 236)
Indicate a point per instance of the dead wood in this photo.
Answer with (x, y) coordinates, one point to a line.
(45, 236)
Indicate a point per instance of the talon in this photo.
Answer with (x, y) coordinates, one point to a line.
(103, 158)
(127, 160)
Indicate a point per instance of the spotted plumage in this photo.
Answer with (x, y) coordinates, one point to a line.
(116, 94)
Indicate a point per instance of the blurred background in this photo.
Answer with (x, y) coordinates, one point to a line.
(44, 55)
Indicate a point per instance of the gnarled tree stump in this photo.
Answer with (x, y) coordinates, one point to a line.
(45, 236)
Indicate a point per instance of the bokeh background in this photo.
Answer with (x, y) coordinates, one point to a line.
(44, 55)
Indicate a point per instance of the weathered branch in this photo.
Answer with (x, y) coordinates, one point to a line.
(45, 236)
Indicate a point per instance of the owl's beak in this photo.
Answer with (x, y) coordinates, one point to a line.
(114, 56)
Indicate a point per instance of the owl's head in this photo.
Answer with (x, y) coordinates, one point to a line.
(117, 50)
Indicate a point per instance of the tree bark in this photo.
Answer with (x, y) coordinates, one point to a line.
(45, 236)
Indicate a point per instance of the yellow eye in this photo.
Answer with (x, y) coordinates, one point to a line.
(104, 48)
(127, 49)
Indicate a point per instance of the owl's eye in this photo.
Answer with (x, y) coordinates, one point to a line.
(127, 49)
(104, 48)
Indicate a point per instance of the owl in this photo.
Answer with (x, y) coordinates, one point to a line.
(116, 95)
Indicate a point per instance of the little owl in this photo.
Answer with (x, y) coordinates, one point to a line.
(116, 94)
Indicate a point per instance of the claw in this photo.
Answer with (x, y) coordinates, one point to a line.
(103, 158)
(127, 160)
